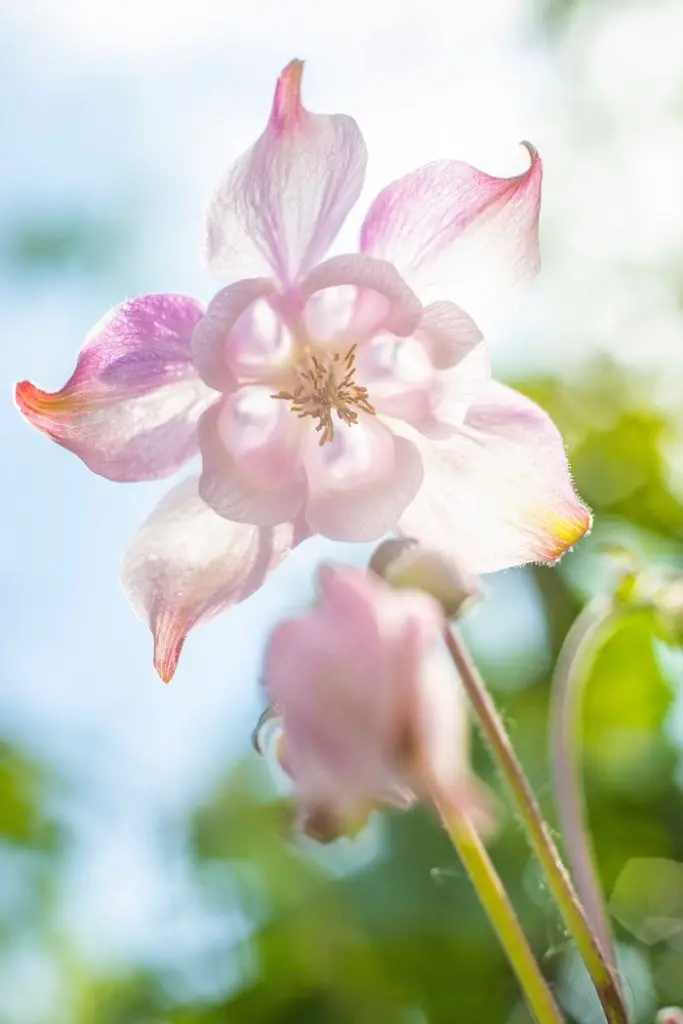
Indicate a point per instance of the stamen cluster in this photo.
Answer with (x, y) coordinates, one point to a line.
(322, 391)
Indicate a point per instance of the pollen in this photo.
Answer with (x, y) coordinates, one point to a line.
(327, 386)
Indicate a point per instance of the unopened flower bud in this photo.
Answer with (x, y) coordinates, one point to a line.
(321, 822)
(405, 565)
(384, 556)
(670, 1015)
(369, 713)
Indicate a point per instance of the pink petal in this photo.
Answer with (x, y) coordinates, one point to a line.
(316, 676)
(400, 378)
(251, 464)
(283, 202)
(447, 333)
(130, 408)
(328, 313)
(384, 300)
(213, 336)
(360, 482)
(403, 383)
(436, 710)
(186, 564)
(498, 493)
(456, 233)
(338, 675)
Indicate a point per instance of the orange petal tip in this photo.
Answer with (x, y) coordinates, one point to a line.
(562, 532)
(42, 409)
(169, 632)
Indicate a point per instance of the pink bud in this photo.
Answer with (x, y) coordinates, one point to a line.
(372, 712)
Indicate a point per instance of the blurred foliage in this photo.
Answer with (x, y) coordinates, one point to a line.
(400, 937)
(30, 846)
(22, 788)
(55, 244)
(386, 927)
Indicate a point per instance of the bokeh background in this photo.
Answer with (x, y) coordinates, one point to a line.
(144, 876)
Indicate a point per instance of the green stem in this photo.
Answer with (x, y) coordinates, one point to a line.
(494, 899)
(539, 835)
(571, 673)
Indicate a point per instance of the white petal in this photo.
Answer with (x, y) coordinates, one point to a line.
(282, 204)
(456, 233)
(447, 333)
(498, 493)
(186, 564)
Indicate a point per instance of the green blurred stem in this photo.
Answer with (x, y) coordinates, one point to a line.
(559, 882)
(589, 632)
(494, 899)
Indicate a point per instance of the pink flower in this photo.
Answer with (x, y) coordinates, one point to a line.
(346, 397)
(371, 712)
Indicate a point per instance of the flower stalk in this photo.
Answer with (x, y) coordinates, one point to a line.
(496, 903)
(589, 630)
(559, 882)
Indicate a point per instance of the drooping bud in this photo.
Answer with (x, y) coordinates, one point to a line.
(322, 822)
(405, 565)
(369, 711)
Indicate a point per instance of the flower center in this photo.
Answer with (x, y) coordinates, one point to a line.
(327, 386)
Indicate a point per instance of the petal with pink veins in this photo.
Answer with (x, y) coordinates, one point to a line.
(131, 407)
(456, 233)
(458, 388)
(361, 481)
(251, 462)
(447, 333)
(281, 205)
(186, 564)
(219, 336)
(383, 299)
(498, 493)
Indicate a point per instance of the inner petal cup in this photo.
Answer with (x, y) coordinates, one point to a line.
(360, 481)
(237, 457)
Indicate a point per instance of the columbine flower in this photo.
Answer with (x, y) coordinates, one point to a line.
(371, 713)
(342, 397)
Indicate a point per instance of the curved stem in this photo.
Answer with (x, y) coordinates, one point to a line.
(496, 903)
(539, 835)
(571, 673)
